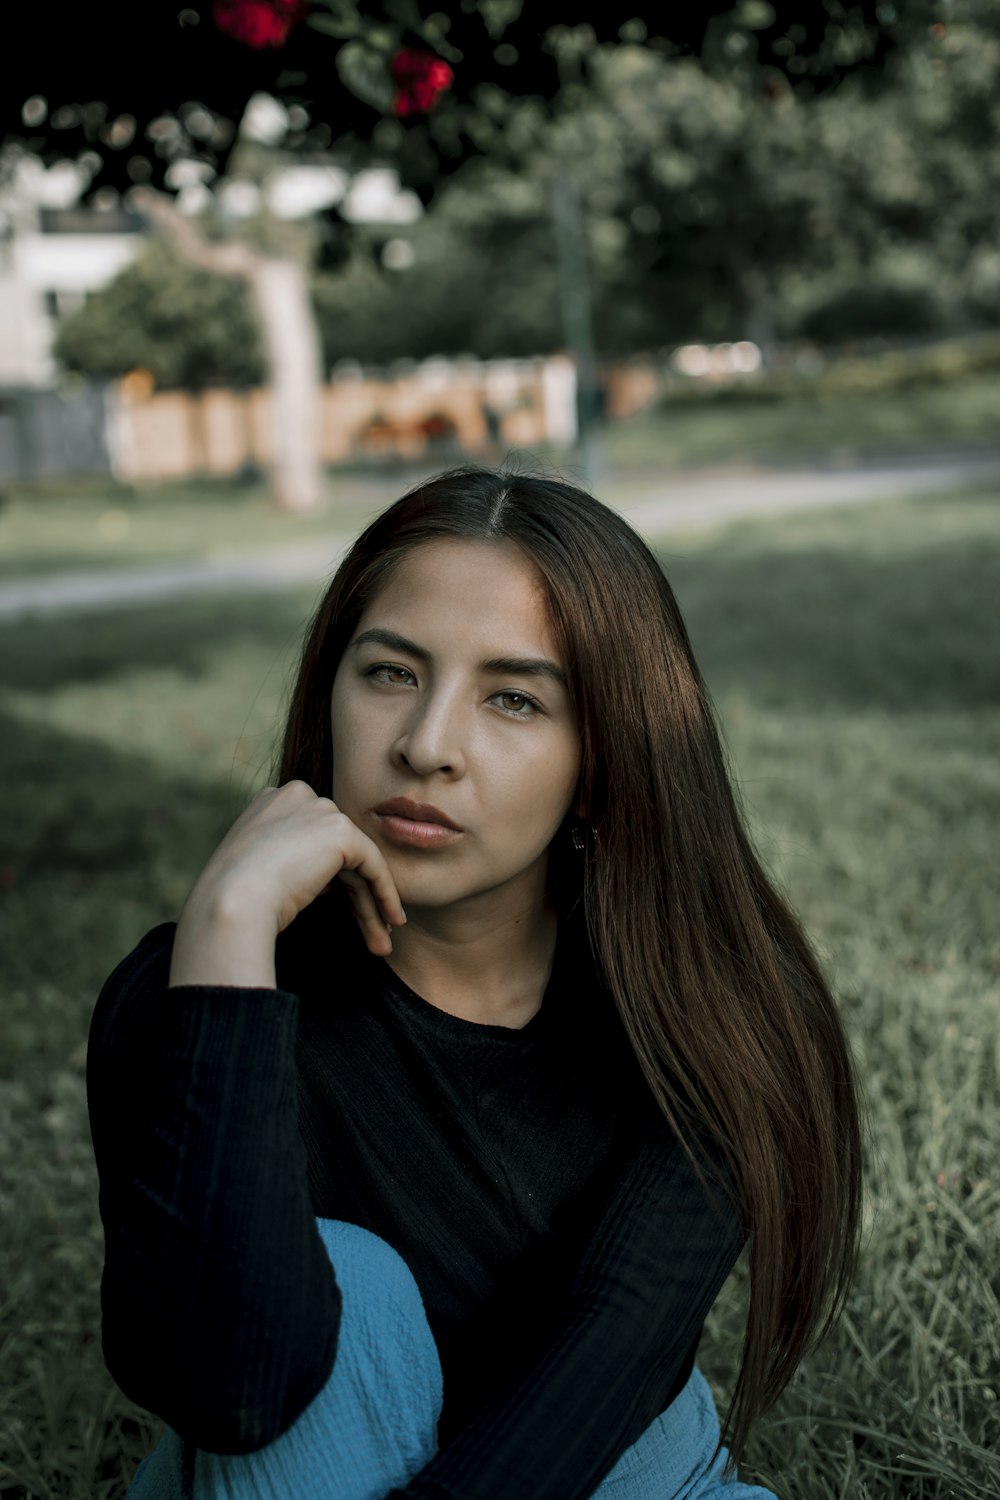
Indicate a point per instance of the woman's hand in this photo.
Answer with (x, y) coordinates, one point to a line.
(287, 847)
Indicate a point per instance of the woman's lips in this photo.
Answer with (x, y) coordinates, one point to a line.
(416, 824)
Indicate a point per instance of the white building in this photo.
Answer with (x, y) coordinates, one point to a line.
(51, 256)
(52, 253)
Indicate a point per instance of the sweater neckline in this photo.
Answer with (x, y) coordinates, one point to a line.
(444, 1023)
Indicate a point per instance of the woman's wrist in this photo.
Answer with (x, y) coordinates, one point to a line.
(222, 940)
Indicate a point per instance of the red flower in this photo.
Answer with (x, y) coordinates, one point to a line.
(419, 78)
(258, 23)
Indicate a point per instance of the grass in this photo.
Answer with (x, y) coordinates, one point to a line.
(852, 661)
(839, 428)
(850, 655)
(90, 524)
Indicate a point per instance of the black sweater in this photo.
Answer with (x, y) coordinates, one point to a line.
(565, 1250)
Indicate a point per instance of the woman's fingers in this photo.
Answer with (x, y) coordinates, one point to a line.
(286, 847)
(374, 929)
(372, 890)
(383, 887)
(370, 864)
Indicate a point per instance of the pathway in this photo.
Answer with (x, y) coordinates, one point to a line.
(658, 507)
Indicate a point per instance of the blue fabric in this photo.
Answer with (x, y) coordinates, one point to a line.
(673, 1460)
(373, 1425)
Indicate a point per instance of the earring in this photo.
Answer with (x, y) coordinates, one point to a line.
(578, 840)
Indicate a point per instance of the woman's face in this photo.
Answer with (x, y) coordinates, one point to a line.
(450, 704)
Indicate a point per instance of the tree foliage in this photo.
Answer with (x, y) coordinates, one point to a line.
(720, 198)
(710, 210)
(187, 327)
(918, 176)
(336, 65)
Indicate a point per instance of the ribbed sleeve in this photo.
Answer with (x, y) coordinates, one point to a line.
(655, 1265)
(220, 1307)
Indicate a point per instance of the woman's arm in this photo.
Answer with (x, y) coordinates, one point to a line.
(654, 1266)
(226, 1333)
(220, 1308)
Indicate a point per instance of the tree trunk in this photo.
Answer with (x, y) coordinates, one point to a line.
(279, 287)
(577, 317)
(280, 291)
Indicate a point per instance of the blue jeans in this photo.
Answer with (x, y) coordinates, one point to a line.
(373, 1425)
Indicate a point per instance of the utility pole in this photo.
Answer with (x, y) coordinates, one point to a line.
(578, 325)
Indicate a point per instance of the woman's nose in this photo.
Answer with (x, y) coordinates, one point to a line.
(433, 737)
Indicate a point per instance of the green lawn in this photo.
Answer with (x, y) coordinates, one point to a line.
(89, 524)
(839, 428)
(852, 657)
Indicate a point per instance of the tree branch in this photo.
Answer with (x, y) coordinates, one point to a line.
(230, 259)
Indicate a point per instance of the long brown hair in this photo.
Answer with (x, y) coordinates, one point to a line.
(717, 988)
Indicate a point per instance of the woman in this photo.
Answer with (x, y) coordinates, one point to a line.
(433, 1202)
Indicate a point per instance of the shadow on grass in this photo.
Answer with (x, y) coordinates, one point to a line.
(184, 635)
(98, 845)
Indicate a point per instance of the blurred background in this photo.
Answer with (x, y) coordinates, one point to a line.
(736, 269)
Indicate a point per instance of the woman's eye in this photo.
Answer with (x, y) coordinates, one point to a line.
(518, 705)
(391, 675)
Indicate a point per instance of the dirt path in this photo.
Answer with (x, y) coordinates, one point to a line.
(670, 504)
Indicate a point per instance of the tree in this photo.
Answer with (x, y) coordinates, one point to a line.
(923, 206)
(373, 79)
(187, 327)
(378, 77)
(279, 291)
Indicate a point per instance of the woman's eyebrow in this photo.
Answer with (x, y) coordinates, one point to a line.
(515, 666)
(524, 666)
(394, 641)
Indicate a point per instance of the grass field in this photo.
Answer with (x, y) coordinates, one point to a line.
(99, 525)
(841, 427)
(853, 659)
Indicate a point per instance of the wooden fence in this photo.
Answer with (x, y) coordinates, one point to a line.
(461, 405)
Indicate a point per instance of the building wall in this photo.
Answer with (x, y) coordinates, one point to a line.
(25, 334)
(50, 434)
(43, 274)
